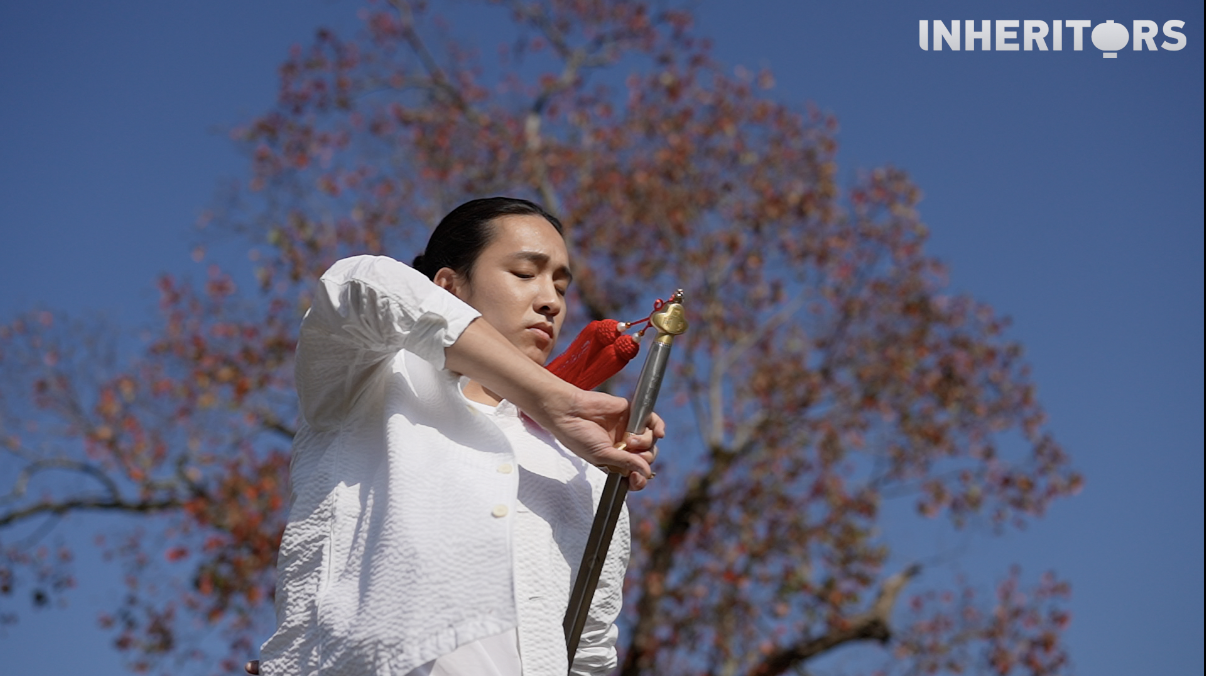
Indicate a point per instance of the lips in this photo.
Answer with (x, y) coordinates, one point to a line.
(543, 329)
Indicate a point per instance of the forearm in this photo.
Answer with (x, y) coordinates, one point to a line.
(588, 423)
(485, 355)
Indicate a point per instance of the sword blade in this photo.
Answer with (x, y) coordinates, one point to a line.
(611, 503)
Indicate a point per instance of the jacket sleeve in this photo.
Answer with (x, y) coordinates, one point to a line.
(596, 654)
(366, 309)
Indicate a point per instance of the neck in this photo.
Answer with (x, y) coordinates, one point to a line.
(475, 392)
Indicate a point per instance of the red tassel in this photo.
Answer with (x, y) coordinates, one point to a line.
(607, 363)
(598, 353)
(593, 338)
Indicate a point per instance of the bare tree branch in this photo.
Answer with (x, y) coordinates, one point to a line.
(438, 77)
(274, 424)
(21, 484)
(97, 504)
(726, 359)
(871, 625)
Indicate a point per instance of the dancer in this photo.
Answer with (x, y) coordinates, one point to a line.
(444, 482)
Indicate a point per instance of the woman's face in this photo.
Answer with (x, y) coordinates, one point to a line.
(519, 283)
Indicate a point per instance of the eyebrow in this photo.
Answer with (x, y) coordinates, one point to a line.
(542, 259)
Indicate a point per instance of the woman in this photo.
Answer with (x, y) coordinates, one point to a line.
(434, 530)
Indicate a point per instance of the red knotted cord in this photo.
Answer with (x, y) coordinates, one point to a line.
(590, 342)
(600, 351)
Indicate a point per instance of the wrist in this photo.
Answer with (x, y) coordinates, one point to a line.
(547, 398)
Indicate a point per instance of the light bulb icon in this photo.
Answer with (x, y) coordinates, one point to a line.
(1110, 37)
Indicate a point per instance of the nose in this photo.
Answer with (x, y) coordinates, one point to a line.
(548, 302)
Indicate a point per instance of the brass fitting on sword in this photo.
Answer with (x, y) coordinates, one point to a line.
(671, 320)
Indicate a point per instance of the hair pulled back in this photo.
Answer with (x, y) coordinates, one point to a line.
(462, 235)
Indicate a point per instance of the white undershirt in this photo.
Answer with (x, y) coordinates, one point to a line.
(496, 655)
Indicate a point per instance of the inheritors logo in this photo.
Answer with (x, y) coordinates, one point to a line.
(1108, 36)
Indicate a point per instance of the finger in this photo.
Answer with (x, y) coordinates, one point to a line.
(657, 425)
(643, 447)
(648, 453)
(626, 462)
(639, 442)
(649, 456)
(637, 482)
(655, 430)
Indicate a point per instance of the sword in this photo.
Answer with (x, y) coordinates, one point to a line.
(669, 321)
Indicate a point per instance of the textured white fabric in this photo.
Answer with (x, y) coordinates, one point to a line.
(407, 536)
(496, 655)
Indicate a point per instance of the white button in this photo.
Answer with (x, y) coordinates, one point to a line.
(499, 511)
(505, 468)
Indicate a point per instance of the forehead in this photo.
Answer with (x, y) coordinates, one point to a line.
(526, 234)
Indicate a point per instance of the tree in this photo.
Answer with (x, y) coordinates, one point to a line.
(826, 366)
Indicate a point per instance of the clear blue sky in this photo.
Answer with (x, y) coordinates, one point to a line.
(1063, 188)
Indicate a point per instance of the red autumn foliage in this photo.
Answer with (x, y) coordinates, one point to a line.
(827, 367)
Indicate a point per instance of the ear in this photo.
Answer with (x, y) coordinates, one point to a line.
(447, 279)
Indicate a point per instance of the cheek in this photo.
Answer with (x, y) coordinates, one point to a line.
(507, 307)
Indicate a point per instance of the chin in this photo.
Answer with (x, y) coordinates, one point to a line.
(539, 354)
(533, 353)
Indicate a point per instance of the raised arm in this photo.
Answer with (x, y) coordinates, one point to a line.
(365, 310)
(588, 423)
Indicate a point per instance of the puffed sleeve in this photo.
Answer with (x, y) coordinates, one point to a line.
(596, 654)
(366, 309)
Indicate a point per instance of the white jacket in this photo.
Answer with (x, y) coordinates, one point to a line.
(419, 522)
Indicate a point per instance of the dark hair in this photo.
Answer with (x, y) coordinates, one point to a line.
(460, 237)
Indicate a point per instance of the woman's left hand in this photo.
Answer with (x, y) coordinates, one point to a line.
(645, 444)
(590, 424)
(593, 425)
